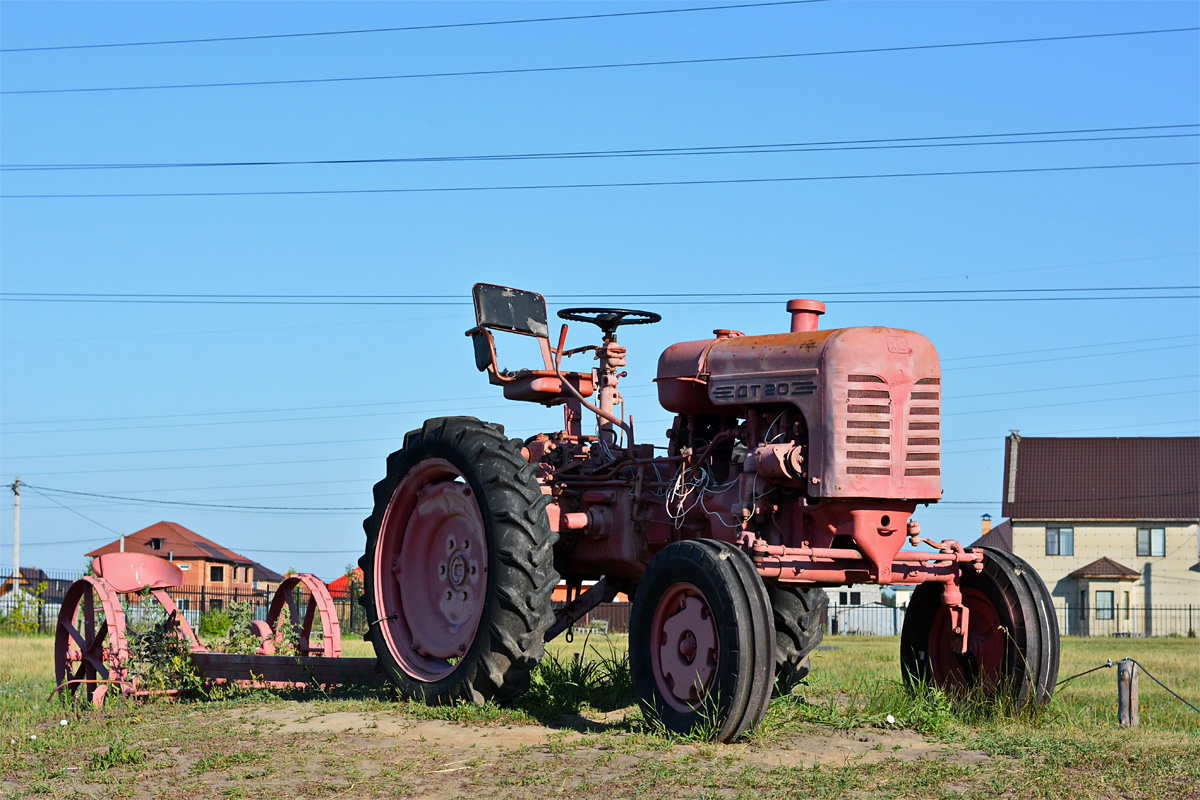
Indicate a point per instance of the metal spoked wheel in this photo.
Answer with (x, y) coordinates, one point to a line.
(317, 633)
(1012, 634)
(701, 644)
(458, 568)
(90, 647)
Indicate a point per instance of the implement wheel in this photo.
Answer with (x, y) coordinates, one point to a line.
(797, 615)
(1012, 634)
(90, 648)
(458, 569)
(701, 642)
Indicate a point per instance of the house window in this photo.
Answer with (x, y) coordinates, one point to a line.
(216, 574)
(184, 567)
(1127, 605)
(156, 543)
(1104, 605)
(1083, 603)
(183, 603)
(1151, 541)
(215, 605)
(856, 598)
(842, 598)
(1060, 541)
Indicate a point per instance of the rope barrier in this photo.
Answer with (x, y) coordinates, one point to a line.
(1149, 675)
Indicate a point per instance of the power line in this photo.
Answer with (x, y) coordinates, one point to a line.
(709, 302)
(146, 501)
(613, 185)
(702, 150)
(1023, 362)
(384, 439)
(1138, 351)
(1073, 347)
(1106, 384)
(68, 508)
(1068, 403)
(67, 541)
(407, 28)
(440, 400)
(585, 67)
(459, 300)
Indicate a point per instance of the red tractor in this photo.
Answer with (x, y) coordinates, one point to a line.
(795, 462)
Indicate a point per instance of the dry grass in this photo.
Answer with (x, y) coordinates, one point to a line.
(239, 746)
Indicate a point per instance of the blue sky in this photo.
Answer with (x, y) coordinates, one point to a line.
(297, 405)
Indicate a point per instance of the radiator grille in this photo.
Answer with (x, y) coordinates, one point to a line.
(868, 440)
(924, 415)
(870, 424)
(868, 411)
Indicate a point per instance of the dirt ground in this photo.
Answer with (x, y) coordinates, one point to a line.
(287, 749)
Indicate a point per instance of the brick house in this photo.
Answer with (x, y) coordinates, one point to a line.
(1110, 523)
(206, 565)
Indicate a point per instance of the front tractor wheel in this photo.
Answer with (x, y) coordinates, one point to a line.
(1012, 634)
(701, 641)
(458, 569)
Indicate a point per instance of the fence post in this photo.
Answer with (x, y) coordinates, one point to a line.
(1127, 694)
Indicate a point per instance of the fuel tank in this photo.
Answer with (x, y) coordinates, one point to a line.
(870, 397)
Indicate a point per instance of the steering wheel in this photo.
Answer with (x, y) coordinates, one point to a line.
(609, 319)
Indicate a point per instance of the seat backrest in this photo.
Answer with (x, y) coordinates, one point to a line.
(132, 572)
(502, 308)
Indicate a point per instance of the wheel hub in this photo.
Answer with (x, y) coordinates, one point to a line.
(687, 654)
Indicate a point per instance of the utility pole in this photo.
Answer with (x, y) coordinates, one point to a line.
(16, 489)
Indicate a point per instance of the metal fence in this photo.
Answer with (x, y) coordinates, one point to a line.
(38, 602)
(874, 619)
(1132, 621)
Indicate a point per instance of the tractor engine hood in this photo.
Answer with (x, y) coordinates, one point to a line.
(870, 397)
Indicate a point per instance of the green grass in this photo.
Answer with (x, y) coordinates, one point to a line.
(227, 746)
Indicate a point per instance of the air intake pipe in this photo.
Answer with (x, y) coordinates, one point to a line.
(804, 314)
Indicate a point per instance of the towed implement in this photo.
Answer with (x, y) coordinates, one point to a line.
(795, 461)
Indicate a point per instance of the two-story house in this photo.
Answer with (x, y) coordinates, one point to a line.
(1110, 523)
(206, 565)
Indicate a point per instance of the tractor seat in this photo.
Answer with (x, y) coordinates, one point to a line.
(132, 572)
(543, 385)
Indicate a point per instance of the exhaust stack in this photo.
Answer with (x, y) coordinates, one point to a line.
(804, 314)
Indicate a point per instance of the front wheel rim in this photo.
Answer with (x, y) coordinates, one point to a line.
(987, 645)
(684, 647)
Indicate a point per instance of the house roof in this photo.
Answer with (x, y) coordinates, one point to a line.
(1106, 568)
(999, 537)
(262, 573)
(1126, 478)
(177, 540)
(342, 584)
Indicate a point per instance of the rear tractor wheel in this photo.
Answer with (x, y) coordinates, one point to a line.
(458, 569)
(701, 642)
(797, 614)
(1012, 634)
